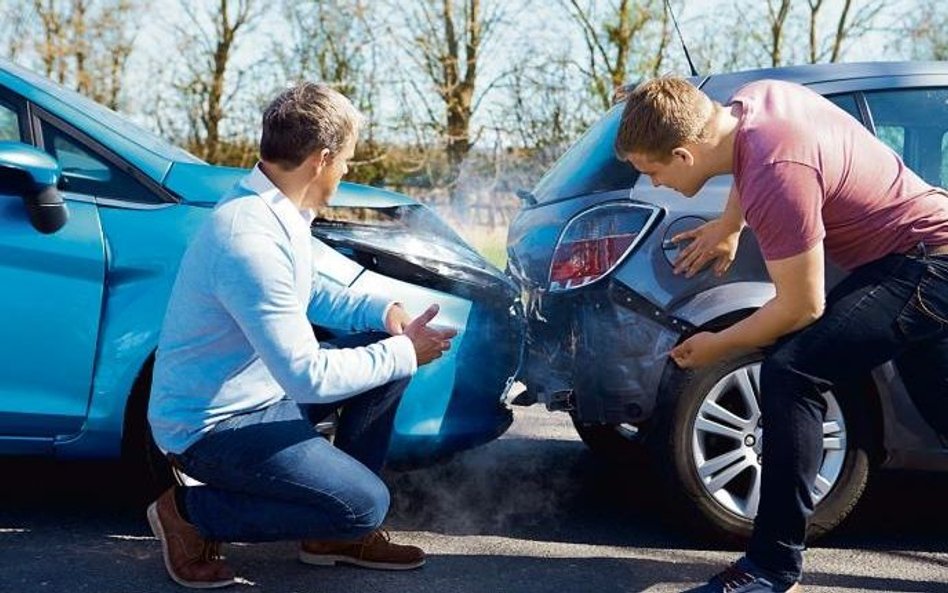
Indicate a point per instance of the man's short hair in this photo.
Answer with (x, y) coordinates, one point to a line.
(306, 118)
(662, 114)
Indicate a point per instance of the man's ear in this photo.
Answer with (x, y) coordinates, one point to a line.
(684, 154)
(320, 160)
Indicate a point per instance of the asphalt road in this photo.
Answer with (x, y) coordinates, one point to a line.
(531, 512)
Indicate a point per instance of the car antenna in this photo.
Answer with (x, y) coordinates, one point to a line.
(694, 71)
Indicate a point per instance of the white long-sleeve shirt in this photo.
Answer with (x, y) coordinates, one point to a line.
(236, 336)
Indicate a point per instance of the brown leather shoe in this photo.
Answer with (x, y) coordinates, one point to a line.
(191, 560)
(375, 550)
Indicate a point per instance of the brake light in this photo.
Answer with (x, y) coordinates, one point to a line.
(594, 243)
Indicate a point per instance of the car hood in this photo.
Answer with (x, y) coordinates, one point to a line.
(203, 185)
(382, 230)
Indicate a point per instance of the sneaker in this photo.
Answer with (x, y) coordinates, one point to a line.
(375, 550)
(191, 560)
(742, 577)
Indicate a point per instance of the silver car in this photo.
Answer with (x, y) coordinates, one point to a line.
(592, 254)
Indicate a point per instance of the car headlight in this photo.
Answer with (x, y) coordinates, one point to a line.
(596, 241)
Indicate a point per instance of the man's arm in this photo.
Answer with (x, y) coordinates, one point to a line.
(798, 303)
(339, 306)
(254, 281)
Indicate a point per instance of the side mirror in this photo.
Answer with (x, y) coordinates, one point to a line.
(33, 175)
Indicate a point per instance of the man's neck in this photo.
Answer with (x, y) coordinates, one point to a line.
(724, 125)
(290, 183)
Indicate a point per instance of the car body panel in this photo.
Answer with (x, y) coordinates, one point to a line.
(198, 184)
(52, 300)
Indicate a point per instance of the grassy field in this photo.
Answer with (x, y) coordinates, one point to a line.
(491, 242)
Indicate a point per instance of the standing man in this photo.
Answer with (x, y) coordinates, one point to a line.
(807, 178)
(237, 357)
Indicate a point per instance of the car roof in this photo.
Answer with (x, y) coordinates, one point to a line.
(721, 86)
(144, 149)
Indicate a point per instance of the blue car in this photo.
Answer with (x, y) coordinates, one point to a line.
(81, 305)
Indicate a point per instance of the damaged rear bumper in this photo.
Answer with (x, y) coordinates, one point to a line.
(598, 353)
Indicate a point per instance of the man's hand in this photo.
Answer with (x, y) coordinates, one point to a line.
(700, 350)
(714, 241)
(396, 319)
(430, 343)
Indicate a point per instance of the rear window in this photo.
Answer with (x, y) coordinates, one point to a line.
(590, 166)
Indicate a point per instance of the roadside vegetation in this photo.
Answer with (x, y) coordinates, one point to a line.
(465, 100)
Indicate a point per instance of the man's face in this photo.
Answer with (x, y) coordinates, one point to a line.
(333, 169)
(681, 172)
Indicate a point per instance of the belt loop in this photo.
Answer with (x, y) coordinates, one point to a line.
(922, 251)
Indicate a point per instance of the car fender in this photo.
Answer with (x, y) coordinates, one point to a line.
(719, 301)
(143, 251)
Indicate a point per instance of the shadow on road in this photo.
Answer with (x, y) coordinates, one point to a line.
(59, 520)
(567, 494)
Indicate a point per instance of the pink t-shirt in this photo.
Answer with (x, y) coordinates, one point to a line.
(806, 171)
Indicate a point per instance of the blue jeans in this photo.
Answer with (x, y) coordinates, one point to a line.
(892, 308)
(270, 476)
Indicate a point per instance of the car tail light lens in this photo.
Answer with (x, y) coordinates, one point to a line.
(596, 241)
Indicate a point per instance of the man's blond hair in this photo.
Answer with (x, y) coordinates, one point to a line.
(662, 114)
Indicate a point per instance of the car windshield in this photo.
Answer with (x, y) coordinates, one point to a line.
(590, 166)
(105, 116)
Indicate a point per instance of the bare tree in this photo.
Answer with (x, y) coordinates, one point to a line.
(207, 39)
(849, 24)
(15, 28)
(619, 41)
(84, 44)
(777, 13)
(334, 41)
(445, 39)
(922, 34)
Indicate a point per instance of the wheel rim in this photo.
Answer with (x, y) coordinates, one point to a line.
(727, 437)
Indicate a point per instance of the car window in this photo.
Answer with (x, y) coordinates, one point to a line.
(913, 123)
(847, 103)
(87, 172)
(590, 165)
(893, 136)
(9, 122)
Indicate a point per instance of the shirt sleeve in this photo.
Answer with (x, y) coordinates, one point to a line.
(782, 204)
(337, 306)
(254, 281)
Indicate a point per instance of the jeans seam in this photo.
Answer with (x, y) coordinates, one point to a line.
(925, 309)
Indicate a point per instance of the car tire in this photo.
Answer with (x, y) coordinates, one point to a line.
(616, 443)
(146, 470)
(718, 515)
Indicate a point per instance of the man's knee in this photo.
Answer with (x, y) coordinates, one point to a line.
(786, 379)
(778, 370)
(368, 502)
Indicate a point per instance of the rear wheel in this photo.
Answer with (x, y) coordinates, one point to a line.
(619, 443)
(714, 432)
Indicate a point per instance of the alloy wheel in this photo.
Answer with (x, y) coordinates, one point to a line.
(728, 435)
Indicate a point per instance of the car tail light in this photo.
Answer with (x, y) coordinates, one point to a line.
(596, 241)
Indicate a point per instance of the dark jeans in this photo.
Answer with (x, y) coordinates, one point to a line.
(270, 476)
(893, 308)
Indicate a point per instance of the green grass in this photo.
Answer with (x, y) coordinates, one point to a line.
(489, 242)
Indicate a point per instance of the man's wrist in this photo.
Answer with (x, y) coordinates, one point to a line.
(733, 224)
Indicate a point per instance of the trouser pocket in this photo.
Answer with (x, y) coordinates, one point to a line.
(925, 315)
